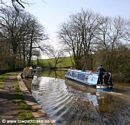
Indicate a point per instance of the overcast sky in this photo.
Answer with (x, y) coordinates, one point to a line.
(52, 13)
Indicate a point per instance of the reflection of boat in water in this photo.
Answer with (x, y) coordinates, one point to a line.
(36, 80)
(85, 93)
(104, 87)
(90, 78)
(79, 86)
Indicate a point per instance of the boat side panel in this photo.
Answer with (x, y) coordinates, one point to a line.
(92, 79)
(87, 77)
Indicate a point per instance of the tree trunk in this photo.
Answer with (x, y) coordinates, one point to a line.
(30, 52)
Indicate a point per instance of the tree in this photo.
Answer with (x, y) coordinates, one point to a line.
(9, 30)
(17, 4)
(36, 34)
(111, 34)
(37, 54)
(78, 34)
(22, 32)
(51, 52)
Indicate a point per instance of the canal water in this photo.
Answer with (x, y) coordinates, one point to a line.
(69, 103)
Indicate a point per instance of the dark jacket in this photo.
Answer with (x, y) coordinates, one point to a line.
(100, 70)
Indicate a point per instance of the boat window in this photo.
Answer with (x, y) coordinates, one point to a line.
(81, 76)
(68, 73)
(73, 74)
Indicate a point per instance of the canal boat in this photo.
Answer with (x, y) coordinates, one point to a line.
(90, 78)
(27, 72)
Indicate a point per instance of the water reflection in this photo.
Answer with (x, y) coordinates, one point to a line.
(73, 104)
(55, 73)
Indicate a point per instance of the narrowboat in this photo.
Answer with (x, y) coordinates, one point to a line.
(90, 78)
(27, 72)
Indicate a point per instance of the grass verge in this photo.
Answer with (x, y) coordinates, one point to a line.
(23, 109)
(3, 77)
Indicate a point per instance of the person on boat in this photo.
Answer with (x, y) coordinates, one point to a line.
(100, 70)
(108, 78)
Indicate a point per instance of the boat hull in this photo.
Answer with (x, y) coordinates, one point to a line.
(106, 88)
(79, 82)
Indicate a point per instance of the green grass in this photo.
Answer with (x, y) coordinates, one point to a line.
(1, 85)
(65, 62)
(23, 109)
(22, 105)
(25, 115)
(3, 77)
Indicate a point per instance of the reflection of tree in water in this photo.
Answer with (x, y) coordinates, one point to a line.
(113, 109)
(105, 103)
(79, 112)
(54, 73)
(109, 103)
(35, 87)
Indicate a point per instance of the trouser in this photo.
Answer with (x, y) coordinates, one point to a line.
(101, 79)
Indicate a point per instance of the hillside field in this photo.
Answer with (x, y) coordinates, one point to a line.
(64, 62)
